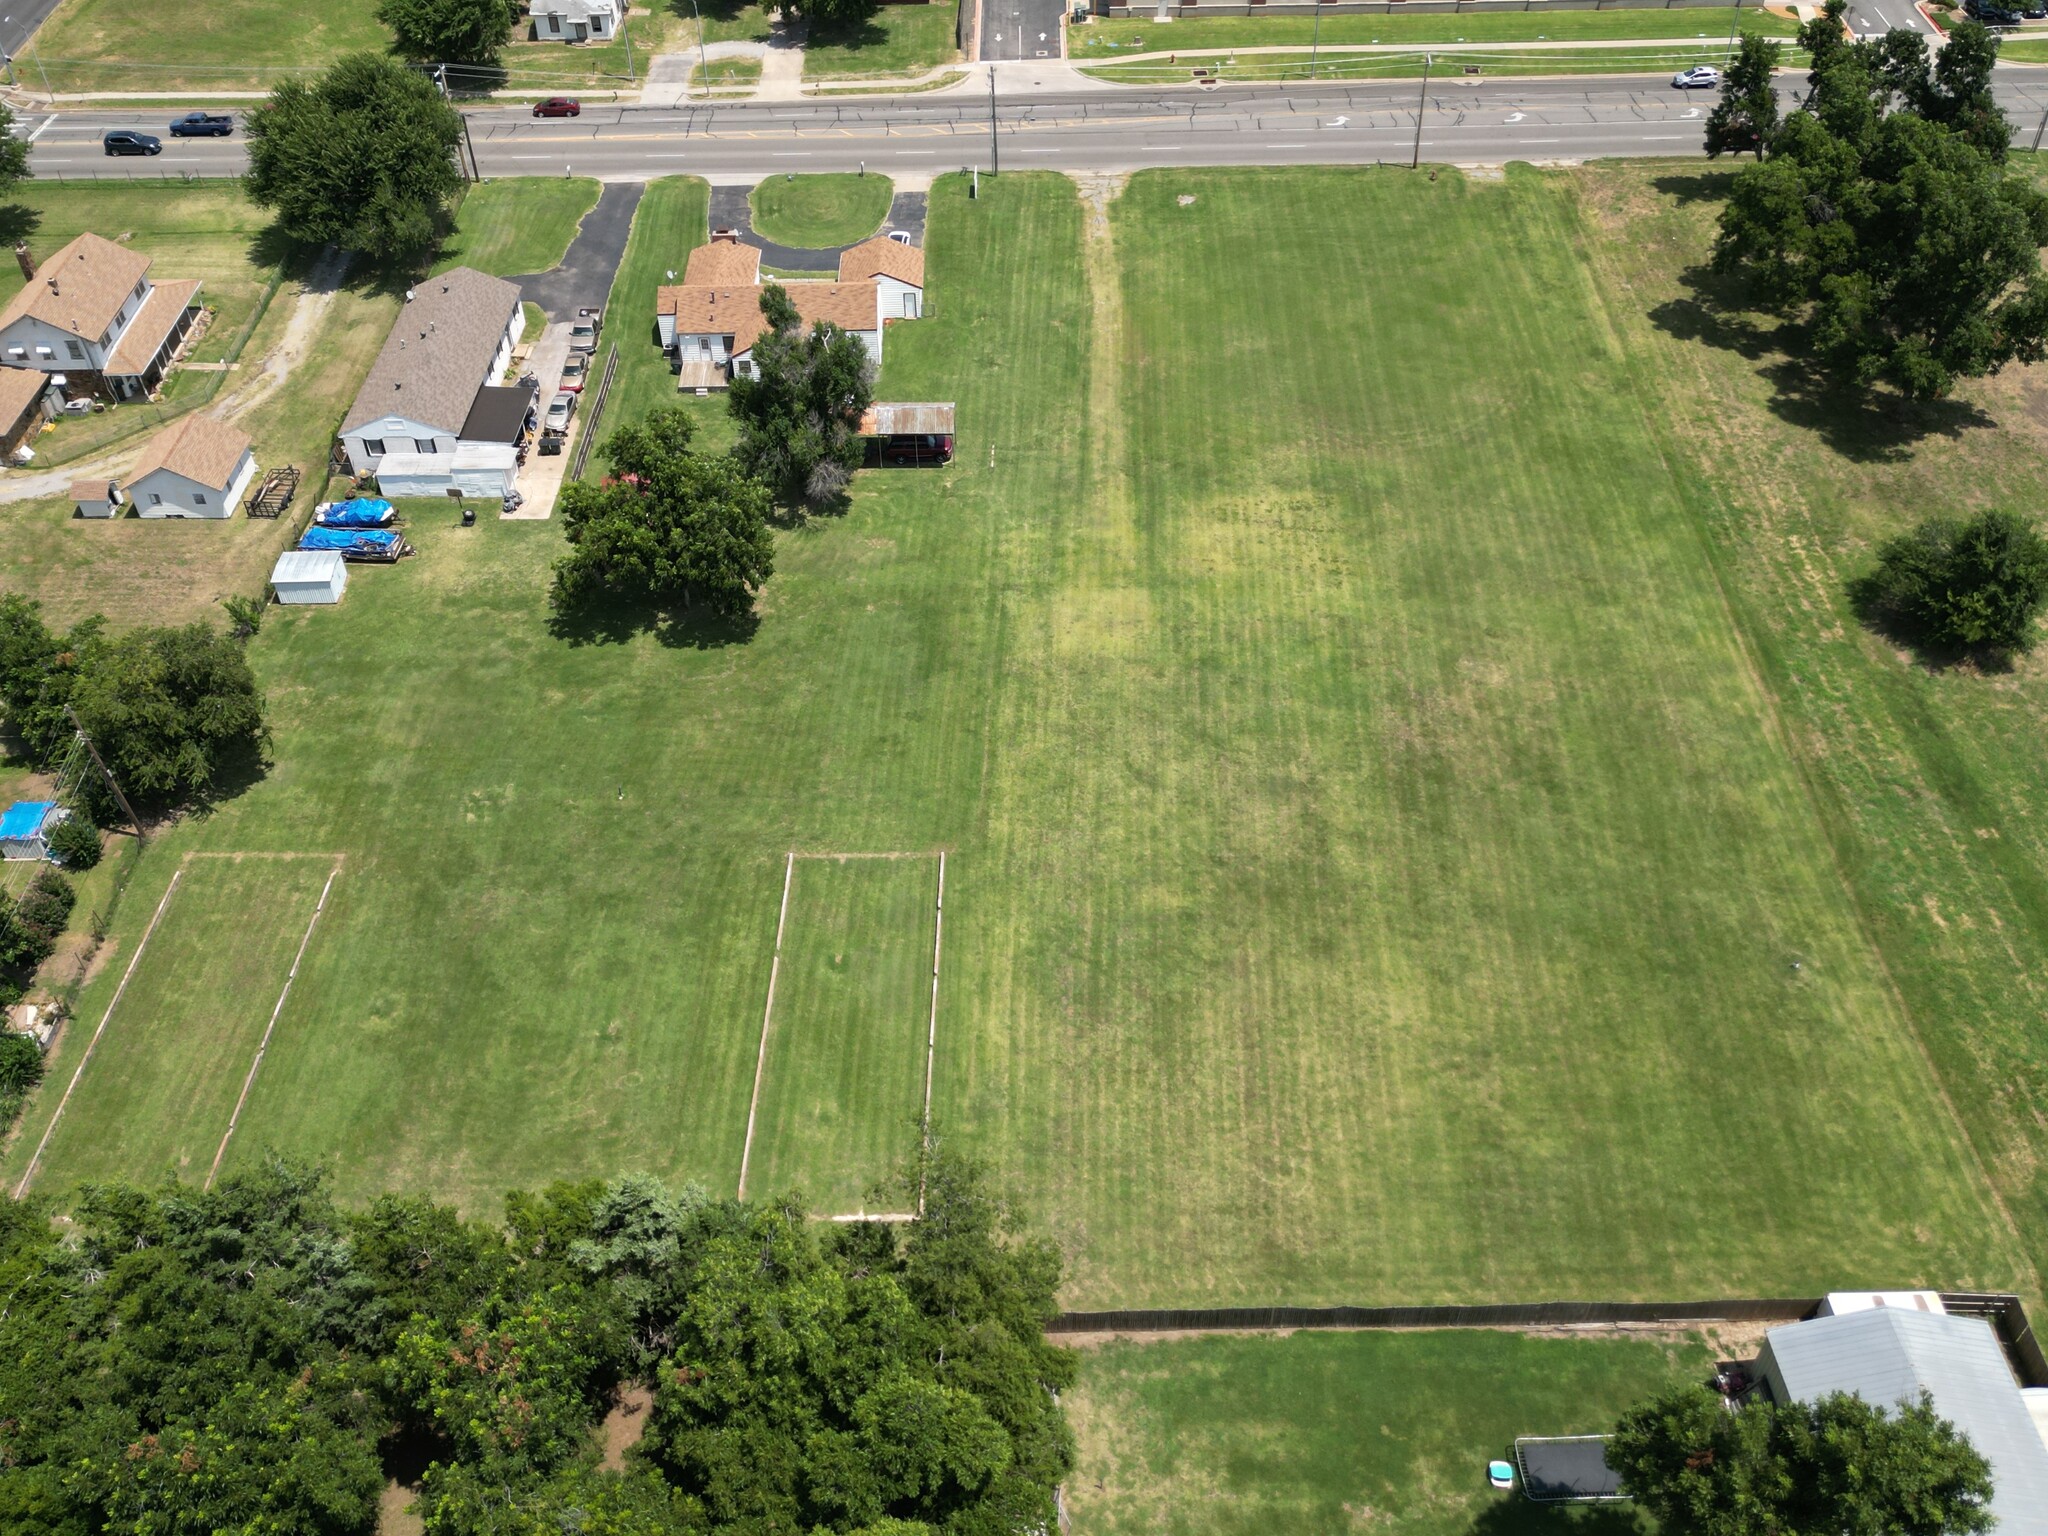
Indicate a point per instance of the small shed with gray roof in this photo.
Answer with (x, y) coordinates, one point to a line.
(453, 342)
(1890, 1355)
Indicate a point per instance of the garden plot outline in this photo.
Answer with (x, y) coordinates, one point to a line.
(772, 1028)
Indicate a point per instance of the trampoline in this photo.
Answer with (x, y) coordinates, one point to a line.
(1566, 1469)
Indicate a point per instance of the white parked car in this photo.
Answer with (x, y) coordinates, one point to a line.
(1699, 77)
(560, 409)
(900, 236)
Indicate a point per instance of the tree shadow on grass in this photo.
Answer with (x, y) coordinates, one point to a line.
(1514, 1515)
(1688, 187)
(1866, 425)
(18, 221)
(852, 36)
(681, 629)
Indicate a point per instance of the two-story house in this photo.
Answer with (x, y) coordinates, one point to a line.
(92, 313)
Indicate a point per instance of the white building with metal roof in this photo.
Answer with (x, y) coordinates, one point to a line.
(1889, 1355)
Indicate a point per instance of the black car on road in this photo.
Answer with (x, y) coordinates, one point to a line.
(202, 125)
(126, 141)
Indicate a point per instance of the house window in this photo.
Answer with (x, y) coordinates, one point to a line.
(77, 349)
(17, 351)
(198, 500)
(140, 286)
(910, 306)
(155, 500)
(374, 447)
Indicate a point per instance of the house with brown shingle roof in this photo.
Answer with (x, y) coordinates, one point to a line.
(709, 322)
(93, 313)
(896, 270)
(198, 466)
(435, 384)
(24, 407)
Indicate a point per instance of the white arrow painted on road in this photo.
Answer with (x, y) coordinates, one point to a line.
(1693, 112)
(1339, 122)
(1516, 117)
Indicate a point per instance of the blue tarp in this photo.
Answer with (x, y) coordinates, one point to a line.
(25, 818)
(363, 512)
(373, 541)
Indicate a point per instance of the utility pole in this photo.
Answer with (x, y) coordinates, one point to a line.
(1420, 107)
(119, 798)
(2041, 130)
(995, 150)
(1733, 32)
(1316, 45)
(475, 170)
(703, 63)
(626, 31)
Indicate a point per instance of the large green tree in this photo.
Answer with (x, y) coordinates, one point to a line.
(13, 151)
(1881, 217)
(1747, 114)
(450, 31)
(1961, 584)
(176, 713)
(362, 157)
(669, 527)
(183, 1362)
(799, 414)
(1838, 1465)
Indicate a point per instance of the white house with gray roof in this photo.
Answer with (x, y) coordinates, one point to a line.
(577, 21)
(1888, 1355)
(434, 388)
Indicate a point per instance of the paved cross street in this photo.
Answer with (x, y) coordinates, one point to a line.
(1359, 123)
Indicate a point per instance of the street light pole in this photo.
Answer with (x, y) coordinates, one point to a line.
(995, 149)
(1420, 107)
(626, 31)
(1735, 30)
(703, 62)
(1316, 45)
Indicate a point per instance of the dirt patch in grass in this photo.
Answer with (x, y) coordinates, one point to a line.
(624, 1424)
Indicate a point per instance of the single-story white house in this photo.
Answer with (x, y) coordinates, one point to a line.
(92, 313)
(309, 576)
(434, 387)
(198, 466)
(711, 319)
(1890, 1353)
(896, 270)
(577, 21)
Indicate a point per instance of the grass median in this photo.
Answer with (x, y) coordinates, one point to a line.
(821, 210)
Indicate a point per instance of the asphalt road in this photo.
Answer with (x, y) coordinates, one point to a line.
(18, 21)
(1020, 29)
(1484, 121)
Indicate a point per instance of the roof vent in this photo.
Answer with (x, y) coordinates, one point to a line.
(408, 295)
(53, 285)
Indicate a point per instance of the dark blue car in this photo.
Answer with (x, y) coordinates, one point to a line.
(126, 141)
(202, 125)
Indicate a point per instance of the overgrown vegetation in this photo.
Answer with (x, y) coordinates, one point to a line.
(449, 31)
(175, 712)
(1960, 585)
(799, 411)
(75, 842)
(1882, 217)
(182, 1360)
(1837, 1464)
(362, 157)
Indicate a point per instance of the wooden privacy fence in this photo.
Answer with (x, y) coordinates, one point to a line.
(2005, 1313)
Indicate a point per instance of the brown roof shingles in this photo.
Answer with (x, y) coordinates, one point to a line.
(704, 310)
(19, 389)
(204, 449)
(882, 257)
(152, 323)
(438, 353)
(81, 288)
(723, 264)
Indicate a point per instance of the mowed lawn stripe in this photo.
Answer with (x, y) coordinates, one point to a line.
(159, 1091)
(842, 1094)
(1445, 921)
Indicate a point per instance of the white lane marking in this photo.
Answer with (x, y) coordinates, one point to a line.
(1881, 17)
(1539, 141)
(1287, 146)
(43, 129)
(1648, 136)
(791, 154)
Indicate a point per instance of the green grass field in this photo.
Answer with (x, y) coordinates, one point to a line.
(736, 77)
(178, 1047)
(843, 1085)
(812, 211)
(223, 45)
(899, 40)
(1650, 59)
(1324, 1434)
(518, 225)
(1103, 40)
(1400, 844)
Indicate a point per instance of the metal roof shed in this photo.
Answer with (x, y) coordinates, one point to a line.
(1890, 1355)
(25, 827)
(309, 576)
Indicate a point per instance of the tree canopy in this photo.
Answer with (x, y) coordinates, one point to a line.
(668, 526)
(450, 31)
(362, 157)
(1747, 114)
(1838, 1465)
(834, 15)
(186, 1361)
(799, 416)
(175, 712)
(1960, 584)
(13, 151)
(1881, 216)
